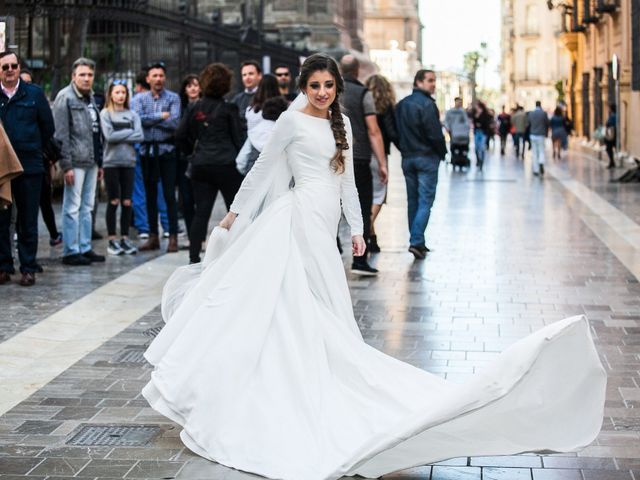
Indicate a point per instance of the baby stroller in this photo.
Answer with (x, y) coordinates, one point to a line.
(460, 152)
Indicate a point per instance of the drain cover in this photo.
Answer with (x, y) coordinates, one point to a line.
(116, 435)
(129, 355)
(152, 332)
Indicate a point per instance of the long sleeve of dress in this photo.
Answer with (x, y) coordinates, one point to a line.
(259, 178)
(348, 190)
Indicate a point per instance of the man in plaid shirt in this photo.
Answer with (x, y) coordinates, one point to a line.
(159, 110)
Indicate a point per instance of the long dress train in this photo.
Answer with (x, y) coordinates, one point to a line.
(262, 364)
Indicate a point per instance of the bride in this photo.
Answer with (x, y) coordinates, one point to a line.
(261, 361)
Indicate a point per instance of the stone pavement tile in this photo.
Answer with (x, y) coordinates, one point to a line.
(579, 463)
(556, 474)
(77, 413)
(154, 469)
(76, 452)
(493, 473)
(37, 427)
(523, 461)
(456, 473)
(106, 468)
(201, 469)
(146, 453)
(28, 477)
(18, 465)
(19, 451)
(455, 462)
(60, 466)
(420, 473)
(606, 475)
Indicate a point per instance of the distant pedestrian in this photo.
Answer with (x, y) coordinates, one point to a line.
(360, 107)
(121, 129)
(539, 125)
(159, 111)
(611, 134)
(558, 132)
(385, 101)
(456, 121)
(283, 74)
(77, 120)
(251, 74)
(28, 122)
(482, 130)
(520, 123)
(422, 146)
(211, 132)
(568, 127)
(504, 128)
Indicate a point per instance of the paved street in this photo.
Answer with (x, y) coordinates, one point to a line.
(511, 253)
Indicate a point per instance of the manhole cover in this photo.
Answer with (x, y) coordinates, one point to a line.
(152, 332)
(117, 435)
(130, 355)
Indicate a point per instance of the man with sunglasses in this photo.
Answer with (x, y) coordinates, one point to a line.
(283, 74)
(27, 119)
(159, 110)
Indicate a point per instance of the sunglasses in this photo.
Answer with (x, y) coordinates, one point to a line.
(7, 66)
(286, 74)
(157, 65)
(119, 82)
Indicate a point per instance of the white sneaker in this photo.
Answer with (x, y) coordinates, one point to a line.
(114, 248)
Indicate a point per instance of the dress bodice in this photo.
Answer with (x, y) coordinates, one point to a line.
(307, 144)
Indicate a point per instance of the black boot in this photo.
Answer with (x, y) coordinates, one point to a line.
(373, 246)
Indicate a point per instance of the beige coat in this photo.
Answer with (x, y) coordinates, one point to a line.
(10, 168)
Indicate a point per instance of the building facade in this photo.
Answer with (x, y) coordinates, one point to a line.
(535, 62)
(603, 38)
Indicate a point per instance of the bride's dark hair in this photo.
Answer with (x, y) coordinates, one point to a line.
(323, 62)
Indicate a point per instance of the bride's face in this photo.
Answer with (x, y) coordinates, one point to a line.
(321, 89)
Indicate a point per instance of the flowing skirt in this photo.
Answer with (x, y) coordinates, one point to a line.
(262, 364)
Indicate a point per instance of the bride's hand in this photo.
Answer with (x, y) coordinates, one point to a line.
(358, 244)
(228, 220)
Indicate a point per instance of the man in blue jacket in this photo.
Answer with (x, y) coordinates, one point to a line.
(28, 121)
(422, 146)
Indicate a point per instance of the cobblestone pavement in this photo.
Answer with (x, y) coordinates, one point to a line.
(511, 253)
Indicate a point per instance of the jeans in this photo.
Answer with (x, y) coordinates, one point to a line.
(26, 193)
(518, 143)
(421, 177)
(537, 145)
(480, 140)
(164, 168)
(207, 181)
(364, 184)
(139, 200)
(77, 204)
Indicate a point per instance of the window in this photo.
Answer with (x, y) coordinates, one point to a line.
(532, 25)
(635, 44)
(597, 96)
(586, 110)
(532, 64)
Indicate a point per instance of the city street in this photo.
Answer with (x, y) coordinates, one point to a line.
(511, 253)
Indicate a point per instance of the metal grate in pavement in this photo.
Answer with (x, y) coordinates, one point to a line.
(114, 435)
(153, 331)
(129, 355)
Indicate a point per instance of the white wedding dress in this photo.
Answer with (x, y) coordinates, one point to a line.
(262, 364)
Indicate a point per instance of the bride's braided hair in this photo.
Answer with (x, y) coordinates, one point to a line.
(319, 62)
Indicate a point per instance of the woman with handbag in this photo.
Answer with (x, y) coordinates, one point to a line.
(121, 128)
(211, 131)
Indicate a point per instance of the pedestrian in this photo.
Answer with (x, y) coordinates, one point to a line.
(283, 74)
(504, 127)
(422, 146)
(520, 124)
(611, 134)
(558, 132)
(251, 74)
(359, 106)
(77, 121)
(257, 130)
(384, 99)
(121, 129)
(190, 92)
(568, 126)
(28, 122)
(539, 125)
(159, 111)
(211, 132)
(456, 121)
(482, 130)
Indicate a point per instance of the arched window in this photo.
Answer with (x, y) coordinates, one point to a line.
(532, 64)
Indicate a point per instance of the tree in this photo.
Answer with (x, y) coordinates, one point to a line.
(472, 61)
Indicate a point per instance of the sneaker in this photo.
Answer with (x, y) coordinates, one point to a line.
(143, 236)
(165, 234)
(115, 248)
(364, 269)
(93, 256)
(76, 260)
(420, 253)
(127, 247)
(54, 242)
